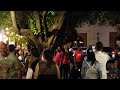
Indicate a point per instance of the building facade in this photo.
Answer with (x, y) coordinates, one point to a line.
(93, 33)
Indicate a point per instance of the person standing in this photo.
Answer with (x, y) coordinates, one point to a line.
(65, 65)
(33, 60)
(9, 64)
(15, 64)
(57, 57)
(102, 58)
(47, 68)
(78, 58)
(91, 67)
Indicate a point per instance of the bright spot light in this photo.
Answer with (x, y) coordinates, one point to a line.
(80, 42)
(12, 33)
(7, 32)
(16, 34)
(75, 42)
(6, 28)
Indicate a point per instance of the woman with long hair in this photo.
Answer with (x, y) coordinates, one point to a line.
(32, 62)
(46, 67)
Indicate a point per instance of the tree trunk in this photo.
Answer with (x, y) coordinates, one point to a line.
(48, 43)
(13, 17)
(56, 28)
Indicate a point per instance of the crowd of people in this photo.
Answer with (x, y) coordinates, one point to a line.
(64, 64)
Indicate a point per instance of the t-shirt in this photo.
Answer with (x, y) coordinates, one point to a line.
(78, 56)
(65, 59)
(9, 66)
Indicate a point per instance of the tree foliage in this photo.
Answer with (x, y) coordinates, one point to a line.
(26, 19)
(5, 19)
(111, 18)
(41, 27)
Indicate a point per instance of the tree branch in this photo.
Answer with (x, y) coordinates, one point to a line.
(57, 26)
(44, 14)
(38, 23)
(55, 29)
(59, 22)
(14, 22)
(51, 41)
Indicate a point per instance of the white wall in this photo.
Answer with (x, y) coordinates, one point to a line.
(92, 31)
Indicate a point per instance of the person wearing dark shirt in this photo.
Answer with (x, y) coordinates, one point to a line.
(33, 60)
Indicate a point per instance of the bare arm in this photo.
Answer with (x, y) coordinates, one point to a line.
(17, 66)
(58, 72)
(36, 71)
(19, 74)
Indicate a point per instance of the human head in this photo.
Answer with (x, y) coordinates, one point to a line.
(63, 50)
(79, 48)
(20, 52)
(99, 46)
(3, 49)
(34, 52)
(47, 55)
(58, 50)
(90, 47)
(11, 48)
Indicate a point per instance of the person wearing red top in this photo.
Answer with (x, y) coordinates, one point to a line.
(78, 58)
(65, 63)
(57, 57)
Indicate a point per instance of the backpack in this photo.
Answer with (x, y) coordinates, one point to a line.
(91, 72)
(47, 73)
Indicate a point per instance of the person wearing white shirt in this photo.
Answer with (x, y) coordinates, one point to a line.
(102, 58)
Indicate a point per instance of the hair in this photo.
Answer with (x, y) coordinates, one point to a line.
(48, 56)
(91, 57)
(11, 48)
(57, 50)
(99, 45)
(34, 52)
